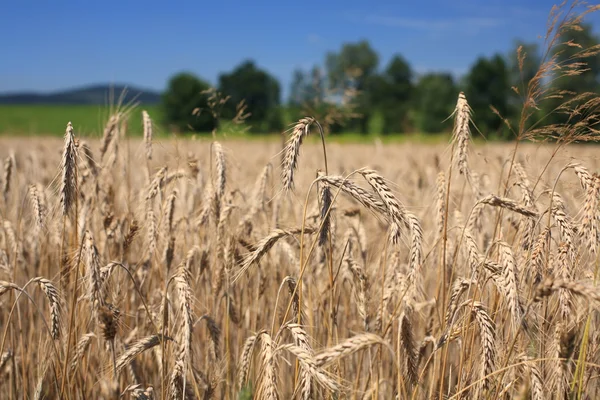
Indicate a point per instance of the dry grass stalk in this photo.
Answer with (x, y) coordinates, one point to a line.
(488, 340)
(589, 224)
(267, 386)
(9, 165)
(346, 348)
(258, 196)
(440, 208)
(221, 170)
(92, 263)
(396, 211)
(461, 133)
(134, 229)
(360, 287)
(215, 336)
(409, 348)
(246, 360)
(460, 286)
(291, 152)
(110, 132)
(310, 367)
(158, 182)
(80, 349)
(151, 238)
(38, 202)
(369, 200)
(68, 188)
(509, 277)
(265, 245)
(509, 204)
(148, 133)
(51, 293)
(184, 300)
(88, 158)
(325, 213)
(583, 289)
(302, 341)
(564, 223)
(138, 348)
(170, 211)
(585, 178)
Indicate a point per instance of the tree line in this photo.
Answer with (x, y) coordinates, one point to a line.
(353, 92)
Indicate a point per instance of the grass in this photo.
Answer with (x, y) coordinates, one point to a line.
(88, 120)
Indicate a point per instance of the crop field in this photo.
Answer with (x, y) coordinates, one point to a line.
(49, 120)
(163, 268)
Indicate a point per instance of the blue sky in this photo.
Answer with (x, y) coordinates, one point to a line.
(53, 44)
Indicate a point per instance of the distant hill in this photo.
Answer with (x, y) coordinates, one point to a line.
(96, 94)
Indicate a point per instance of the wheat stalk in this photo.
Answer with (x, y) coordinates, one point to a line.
(54, 301)
(291, 152)
(263, 247)
(461, 133)
(148, 132)
(69, 171)
(346, 348)
(396, 211)
(138, 348)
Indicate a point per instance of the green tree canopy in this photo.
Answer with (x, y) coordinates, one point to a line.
(307, 87)
(352, 68)
(524, 62)
(435, 97)
(487, 84)
(520, 73)
(298, 87)
(576, 42)
(390, 93)
(258, 89)
(182, 97)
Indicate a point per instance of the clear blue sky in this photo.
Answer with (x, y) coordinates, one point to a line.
(53, 44)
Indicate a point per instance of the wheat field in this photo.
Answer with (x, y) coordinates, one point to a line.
(222, 269)
(233, 270)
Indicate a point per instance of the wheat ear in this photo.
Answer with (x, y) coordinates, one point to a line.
(291, 152)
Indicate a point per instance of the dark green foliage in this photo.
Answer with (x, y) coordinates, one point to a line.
(521, 72)
(519, 76)
(352, 69)
(307, 88)
(488, 85)
(587, 81)
(390, 93)
(184, 105)
(259, 90)
(352, 66)
(434, 101)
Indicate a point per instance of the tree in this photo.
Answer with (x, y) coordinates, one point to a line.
(576, 42)
(351, 69)
(260, 92)
(487, 84)
(435, 97)
(352, 66)
(307, 87)
(520, 73)
(390, 93)
(179, 102)
(297, 88)
(524, 61)
(315, 88)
